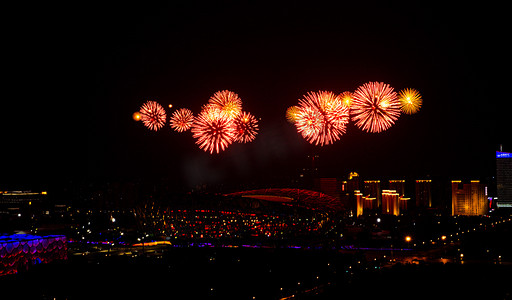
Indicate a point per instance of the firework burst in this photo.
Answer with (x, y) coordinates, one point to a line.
(410, 100)
(227, 102)
(375, 107)
(152, 115)
(246, 127)
(182, 120)
(213, 130)
(291, 114)
(346, 98)
(322, 118)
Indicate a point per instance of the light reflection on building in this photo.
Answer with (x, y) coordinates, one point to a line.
(469, 199)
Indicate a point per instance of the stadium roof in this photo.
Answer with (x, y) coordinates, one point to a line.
(299, 197)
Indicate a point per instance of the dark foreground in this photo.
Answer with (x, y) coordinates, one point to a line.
(222, 273)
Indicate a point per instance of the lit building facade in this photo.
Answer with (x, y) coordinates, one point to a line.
(372, 191)
(359, 202)
(390, 199)
(403, 204)
(348, 191)
(424, 193)
(469, 199)
(398, 186)
(504, 179)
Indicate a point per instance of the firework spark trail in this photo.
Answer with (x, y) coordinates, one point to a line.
(246, 127)
(322, 118)
(213, 130)
(227, 102)
(182, 119)
(152, 115)
(375, 107)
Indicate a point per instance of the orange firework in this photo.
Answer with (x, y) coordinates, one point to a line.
(246, 127)
(410, 100)
(291, 114)
(375, 107)
(213, 130)
(152, 115)
(226, 102)
(181, 120)
(322, 118)
(136, 116)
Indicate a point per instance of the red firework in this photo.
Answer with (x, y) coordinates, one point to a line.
(246, 127)
(213, 130)
(152, 115)
(375, 107)
(322, 118)
(227, 102)
(182, 119)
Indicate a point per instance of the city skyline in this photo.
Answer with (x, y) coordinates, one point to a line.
(105, 178)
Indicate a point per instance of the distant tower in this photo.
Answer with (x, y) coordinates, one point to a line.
(390, 202)
(504, 179)
(423, 193)
(309, 172)
(348, 191)
(469, 199)
(372, 192)
(329, 186)
(398, 186)
(360, 202)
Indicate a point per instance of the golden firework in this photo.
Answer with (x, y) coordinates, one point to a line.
(410, 100)
(346, 98)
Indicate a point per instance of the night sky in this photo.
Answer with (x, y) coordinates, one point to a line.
(77, 73)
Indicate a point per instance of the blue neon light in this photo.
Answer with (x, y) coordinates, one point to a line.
(500, 154)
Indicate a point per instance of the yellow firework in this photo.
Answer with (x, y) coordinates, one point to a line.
(291, 114)
(410, 100)
(346, 98)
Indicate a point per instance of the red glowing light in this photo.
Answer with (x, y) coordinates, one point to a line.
(322, 118)
(213, 129)
(246, 127)
(375, 107)
(182, 119)
(153, 115)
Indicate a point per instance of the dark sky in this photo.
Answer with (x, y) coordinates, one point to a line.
(76, 73)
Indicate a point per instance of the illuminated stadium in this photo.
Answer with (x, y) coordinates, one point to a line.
(19, 251)
(256, 215)
(295, 197)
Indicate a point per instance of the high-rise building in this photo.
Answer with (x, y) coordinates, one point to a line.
(359, 201)
(504, 179)
(372, 190)
(403, 204)
(469, 199)
(348, 191)
(390, 202)
(423, 193)
(329, 186)
(352, 182)
(398, 186)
